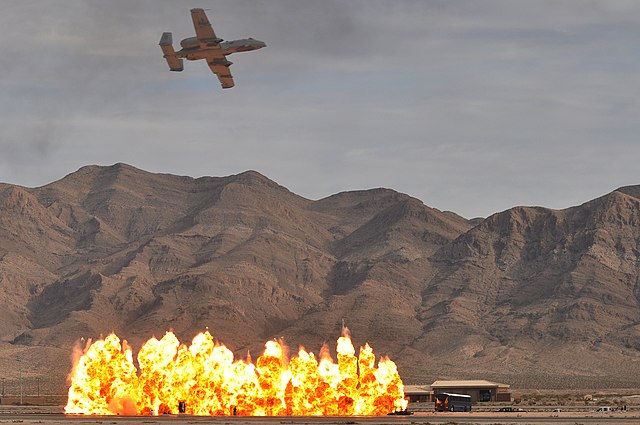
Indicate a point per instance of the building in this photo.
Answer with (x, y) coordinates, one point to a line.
(418, 394)
(480, 390)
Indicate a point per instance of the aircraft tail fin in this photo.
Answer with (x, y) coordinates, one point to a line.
(166, 44)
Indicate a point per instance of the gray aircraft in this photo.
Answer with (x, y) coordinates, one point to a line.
(206, 45)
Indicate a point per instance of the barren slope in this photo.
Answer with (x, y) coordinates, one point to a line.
(550, 295)
(529, 296)
(146, 252)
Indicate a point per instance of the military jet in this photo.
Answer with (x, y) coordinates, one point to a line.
(206, 45)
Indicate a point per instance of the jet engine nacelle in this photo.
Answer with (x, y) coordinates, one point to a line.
(190, 43)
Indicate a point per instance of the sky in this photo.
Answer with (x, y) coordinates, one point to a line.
(472, 106)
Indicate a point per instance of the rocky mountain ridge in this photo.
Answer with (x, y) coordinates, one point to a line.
(529, 296)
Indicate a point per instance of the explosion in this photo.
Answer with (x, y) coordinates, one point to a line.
(204, 379)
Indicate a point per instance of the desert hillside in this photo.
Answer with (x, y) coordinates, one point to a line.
(529, 296)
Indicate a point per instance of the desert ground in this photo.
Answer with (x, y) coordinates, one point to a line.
(569, 415)
(569, 418)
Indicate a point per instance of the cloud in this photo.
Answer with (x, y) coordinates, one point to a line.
(470, 106)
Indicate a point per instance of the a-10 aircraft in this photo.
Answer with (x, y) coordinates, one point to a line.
(206, 45)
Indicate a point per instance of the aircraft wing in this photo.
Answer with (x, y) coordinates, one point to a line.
(204, 31)
(223, 73)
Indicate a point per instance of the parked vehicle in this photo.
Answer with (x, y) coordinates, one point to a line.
(452, 402)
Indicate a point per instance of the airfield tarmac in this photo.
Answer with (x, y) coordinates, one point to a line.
(11, 415)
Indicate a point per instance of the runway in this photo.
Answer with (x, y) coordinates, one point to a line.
(569, 418)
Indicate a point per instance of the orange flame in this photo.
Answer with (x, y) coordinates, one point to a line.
(205, 377)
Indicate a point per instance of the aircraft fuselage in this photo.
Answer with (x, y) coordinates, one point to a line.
(194, 49)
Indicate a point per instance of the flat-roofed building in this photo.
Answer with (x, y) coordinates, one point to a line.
(418, 393)
(479, 390)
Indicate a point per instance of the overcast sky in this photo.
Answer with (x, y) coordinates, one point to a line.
(470, 106)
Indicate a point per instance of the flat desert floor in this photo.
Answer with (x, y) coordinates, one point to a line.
(12, 415)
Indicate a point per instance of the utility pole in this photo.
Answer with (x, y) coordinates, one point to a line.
(2, 387)
(38, 380)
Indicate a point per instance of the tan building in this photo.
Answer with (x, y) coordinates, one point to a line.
(418, 393)
(479, 390)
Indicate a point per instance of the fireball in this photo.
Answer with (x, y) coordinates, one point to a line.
(205, 379)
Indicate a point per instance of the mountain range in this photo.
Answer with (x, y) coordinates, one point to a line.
(530, 296)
